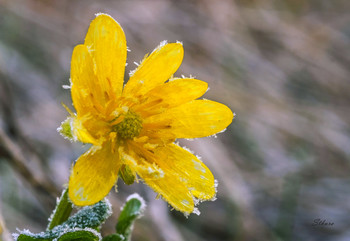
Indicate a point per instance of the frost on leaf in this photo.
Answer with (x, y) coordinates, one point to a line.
(66, 129)
(132, 209)
(90, 216)
(81, 225)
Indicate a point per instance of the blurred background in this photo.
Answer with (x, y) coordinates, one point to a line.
(281, 65)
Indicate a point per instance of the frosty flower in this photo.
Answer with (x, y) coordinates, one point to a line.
(132, 129)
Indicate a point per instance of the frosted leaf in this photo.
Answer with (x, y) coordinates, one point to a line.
(141, 200)
(62, 210)
(132, 209)
(86, 234)
(25, 233)
(65, 129)
(114, 237)
(89, 216)
(87, 219)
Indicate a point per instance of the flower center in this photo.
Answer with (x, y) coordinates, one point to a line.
(130, 127)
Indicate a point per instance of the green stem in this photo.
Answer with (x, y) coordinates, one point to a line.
(61, 212)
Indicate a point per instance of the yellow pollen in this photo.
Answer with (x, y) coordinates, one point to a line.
(130, 127)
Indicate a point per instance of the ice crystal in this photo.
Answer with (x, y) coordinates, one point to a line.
(87, 219)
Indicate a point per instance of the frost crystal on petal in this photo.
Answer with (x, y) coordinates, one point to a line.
(162, 44)
(196, 211)
(216, 183)
(187, 149)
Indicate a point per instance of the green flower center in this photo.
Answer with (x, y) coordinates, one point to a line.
(130, 127)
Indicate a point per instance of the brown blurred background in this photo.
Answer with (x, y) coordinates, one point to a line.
(281, 65)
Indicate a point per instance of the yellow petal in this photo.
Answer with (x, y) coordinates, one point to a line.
(107, 45)
(84, 86)
(155, 69)
(173, 93)
(167, 183)
(93, 175)
(80, 133)
(198, 118)
(171, 188)
(197, 177)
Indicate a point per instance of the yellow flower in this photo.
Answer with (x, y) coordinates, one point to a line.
(132, 129)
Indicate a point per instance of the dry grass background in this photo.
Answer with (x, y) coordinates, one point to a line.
(281, 65)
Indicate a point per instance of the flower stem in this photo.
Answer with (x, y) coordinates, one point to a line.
(61, 212)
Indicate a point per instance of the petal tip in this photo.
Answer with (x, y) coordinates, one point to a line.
(105, 16)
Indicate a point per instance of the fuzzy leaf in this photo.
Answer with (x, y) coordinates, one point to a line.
(24, 237)
(132, 210)
(89, 216)
(87, 219)
(114, 237)
(79, 235)
(62, 210)
(65, 129)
